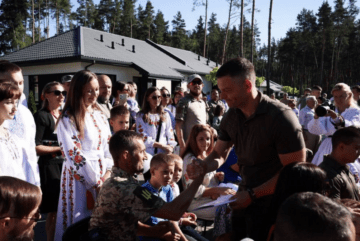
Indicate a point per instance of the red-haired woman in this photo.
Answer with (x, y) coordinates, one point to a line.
(199, 146)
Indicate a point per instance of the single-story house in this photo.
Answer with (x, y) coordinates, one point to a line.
(274, 88)
(121, 58)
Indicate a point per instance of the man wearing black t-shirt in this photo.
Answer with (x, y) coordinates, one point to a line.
(266, 135)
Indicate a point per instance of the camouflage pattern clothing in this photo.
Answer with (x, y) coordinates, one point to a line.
(121, 203)
(191, 111)
(212, 105)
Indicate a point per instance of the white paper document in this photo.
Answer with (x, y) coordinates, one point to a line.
(224, 199)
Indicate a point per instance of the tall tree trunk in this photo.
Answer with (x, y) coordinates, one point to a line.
(33, 20)
(269, 51)
(48, 20)
(252, 33)
(57, 18)
(227, 30)
(322, 58)
(39, 27)
(242, 29)
(130, 28)
(205, 31)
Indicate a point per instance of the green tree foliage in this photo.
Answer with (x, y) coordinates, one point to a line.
(212, 76)
(31, 103)
(160, 28)
(290, 90)
(13, 15)
(179, 31)
(127, 20)
(259, 80)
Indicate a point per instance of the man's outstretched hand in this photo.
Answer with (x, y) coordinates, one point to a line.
(196, 169)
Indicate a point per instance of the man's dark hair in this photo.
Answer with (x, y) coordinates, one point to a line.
(218, 109)
(311, 216)
(17, 197)
(7, 67)
(118, 110)
(316, 87)
(356, 87)
(123, 141)
(238, 67)
(345, 135)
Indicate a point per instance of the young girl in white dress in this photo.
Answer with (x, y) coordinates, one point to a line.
(148, 122)
(199, 146)
(10, 154)
(83, 135)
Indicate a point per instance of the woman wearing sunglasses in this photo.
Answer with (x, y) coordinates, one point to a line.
(166, 104)
(153, 119)
(48, 149)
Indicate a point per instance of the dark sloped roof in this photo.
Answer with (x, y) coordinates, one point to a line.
(84, 44)
(191, 59)
(146, 58)
(61, 46)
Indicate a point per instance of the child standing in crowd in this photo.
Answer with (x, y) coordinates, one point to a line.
(188, 219)
(199, 146)
(119, 118)
(162, 170)
(218, 115)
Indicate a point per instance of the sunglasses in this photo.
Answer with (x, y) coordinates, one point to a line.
(196, 82)
(58, 92)
(166, 95)
(155, 97)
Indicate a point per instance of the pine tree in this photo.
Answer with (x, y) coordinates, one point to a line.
(178, 32)
(161, 27)
(13, 16)
(128, 19)
(199, 33)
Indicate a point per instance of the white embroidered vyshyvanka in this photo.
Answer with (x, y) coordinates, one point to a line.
(86, 161)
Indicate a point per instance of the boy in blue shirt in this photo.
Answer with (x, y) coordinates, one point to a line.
(162, 170)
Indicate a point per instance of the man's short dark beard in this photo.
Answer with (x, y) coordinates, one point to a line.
(195, 94)
(103, 99)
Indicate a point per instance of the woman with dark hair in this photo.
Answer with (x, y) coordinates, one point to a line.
(131, 102)
(119, 88)
(294, 178)
(19, 209)
(166, 104)
(153, 119)
(47, 147)
(177, 96)
(11, 158)
(83, 135)
(199, 146)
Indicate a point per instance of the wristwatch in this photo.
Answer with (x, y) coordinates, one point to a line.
(252, 194)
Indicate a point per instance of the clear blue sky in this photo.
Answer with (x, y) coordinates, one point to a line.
(284, 13)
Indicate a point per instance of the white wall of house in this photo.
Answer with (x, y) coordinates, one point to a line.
(122, 73)
(161, 83)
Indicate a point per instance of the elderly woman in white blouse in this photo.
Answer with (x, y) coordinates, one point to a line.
(154, 124)
(347, 113)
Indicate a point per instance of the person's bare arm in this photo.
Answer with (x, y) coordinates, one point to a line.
(175, 209)
(216, 158)
(180, 134)
(45, 150)
(243, 198)
(162, 230)
(178, 230)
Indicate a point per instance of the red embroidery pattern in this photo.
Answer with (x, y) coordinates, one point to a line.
(71, 191)
(101, 174)
(99, 130)
(108, 140)
(75, 154)
(63, 198)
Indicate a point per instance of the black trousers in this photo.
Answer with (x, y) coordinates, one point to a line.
(252, 222)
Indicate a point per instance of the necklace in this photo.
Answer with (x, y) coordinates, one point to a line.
(53, 114)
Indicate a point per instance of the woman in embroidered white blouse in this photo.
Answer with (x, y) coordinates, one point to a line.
(10, 154)
(148, 121)
(83, 135)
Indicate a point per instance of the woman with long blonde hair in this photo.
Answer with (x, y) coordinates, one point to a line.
(83, 135)
(347, 113)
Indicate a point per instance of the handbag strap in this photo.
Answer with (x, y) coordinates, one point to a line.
(158, 135)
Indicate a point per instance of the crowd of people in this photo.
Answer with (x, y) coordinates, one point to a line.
(287, 170)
